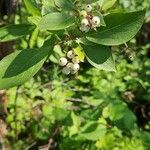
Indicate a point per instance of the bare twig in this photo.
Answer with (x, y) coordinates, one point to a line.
(80, 101)
(51, 141)
(30, 146)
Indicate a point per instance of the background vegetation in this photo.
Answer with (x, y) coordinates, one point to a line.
(93, 110)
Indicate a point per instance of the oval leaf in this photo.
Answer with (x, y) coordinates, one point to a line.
(31, 7)
(13, 32)
(120, 28)
(100, 57)
(63, 4)
(56, 21)
(18, 67)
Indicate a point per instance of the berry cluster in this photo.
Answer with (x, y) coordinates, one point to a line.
(70, 63)
(89, 21)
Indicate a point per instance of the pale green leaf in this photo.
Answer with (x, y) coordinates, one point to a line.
(108, 4)
(32, 8)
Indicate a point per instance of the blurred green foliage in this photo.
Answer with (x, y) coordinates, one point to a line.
(94, 110)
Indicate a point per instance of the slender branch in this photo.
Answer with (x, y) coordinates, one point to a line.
(30, 146)
(51, 141)
(80, 101)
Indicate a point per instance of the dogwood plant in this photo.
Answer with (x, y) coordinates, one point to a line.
(85, 30)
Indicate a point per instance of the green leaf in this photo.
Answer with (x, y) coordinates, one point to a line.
(60, 114)
(32, 8)
(18, 67)
(102, 23)
(100, 57)
(120, 28)
(50, 3)
(13, 32)
(92, 131)
(108, 4)
(34, 20)
(80, 53)
(76, 120)
(117, 111)
(56, 21)
(57, 53)
(66, 5)
(48, 7)
(129, 119)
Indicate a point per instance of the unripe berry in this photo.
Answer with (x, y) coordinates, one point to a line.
(84, 22)
(62, 61)
(65, 71)
(85, 28)
(88, 8)
(76, 67)
(70, 66)
(95, 21)
(70, 54)
(83, 13)
(75, 60)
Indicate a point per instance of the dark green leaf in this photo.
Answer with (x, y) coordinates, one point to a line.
(18, 67)
(99, 56)
(120, 28)
(129, 119)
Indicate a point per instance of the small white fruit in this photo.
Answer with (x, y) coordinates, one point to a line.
(76, 67)
(75, 60)
(88, 8)
(70, 54)
(65, 71)
(70, 66)
(63, 61)
(95, 21)
(84, 22)
(83, 13)
(85, 29)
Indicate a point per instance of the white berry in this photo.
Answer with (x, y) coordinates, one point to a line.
(83, 13)
(88, 8)
(85, 29)
(70, 54)
(95, 21)
(75, 60)
(65, 71)
(76, 67)
(84, 22)
(70, 66)
(63, 61)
